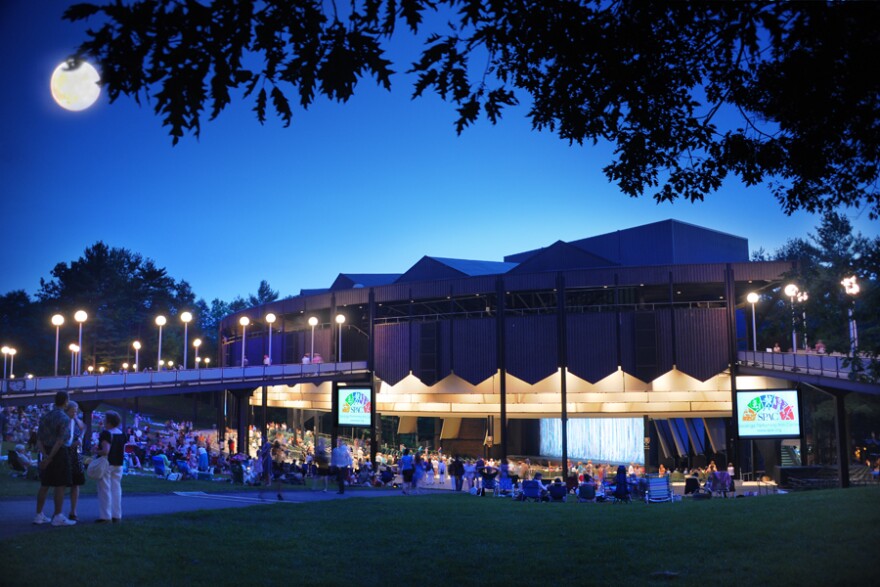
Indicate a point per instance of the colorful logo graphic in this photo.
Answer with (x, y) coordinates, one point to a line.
(357, 402)
(769, 408)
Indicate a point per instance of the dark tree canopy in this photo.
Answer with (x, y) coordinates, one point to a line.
(777, 94)
(122, 292)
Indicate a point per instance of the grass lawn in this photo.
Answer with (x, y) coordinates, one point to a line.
(812, 538)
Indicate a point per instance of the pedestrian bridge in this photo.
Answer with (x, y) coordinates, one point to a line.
(38, 390)
(834, 371)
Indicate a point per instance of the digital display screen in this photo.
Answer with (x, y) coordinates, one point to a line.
(768, 414)
(614, 440)
(355, 406)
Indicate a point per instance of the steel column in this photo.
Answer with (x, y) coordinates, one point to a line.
(562, 366)
(501, 361)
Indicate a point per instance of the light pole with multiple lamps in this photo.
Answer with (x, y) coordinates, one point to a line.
(791, 290)
(802, 298)
(270, 320)
(340, 320)
(186, 317)
(160, 322)
(313, 322)
(57, 321)
(80, 317)
(244, 321)
(851, 286)
(753, 298)
(137, 350)
(196, 344)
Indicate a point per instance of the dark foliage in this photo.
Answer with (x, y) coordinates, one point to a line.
(689, 93)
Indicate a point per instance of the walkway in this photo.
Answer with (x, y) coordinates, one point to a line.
(145, 383)
(822, 370)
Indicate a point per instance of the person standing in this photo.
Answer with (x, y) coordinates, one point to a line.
(74, 446)
(111, 444)
(456, 471)
(322, 461)
(52, 434)
(340, 461)
(407, 468)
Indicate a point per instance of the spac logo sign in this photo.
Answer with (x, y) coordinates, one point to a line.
(355, 407)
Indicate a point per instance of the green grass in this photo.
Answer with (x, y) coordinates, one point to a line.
(811, 538)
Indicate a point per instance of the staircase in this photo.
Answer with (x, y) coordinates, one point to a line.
(790, 457)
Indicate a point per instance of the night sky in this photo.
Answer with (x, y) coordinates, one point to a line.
(366, 187)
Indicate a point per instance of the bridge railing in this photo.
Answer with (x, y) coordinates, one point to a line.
(809, 363)
(178, 378)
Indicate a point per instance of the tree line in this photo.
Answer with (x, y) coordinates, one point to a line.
(822, 260)
(122, 292)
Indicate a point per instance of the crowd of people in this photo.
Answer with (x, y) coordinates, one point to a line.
(51, 444)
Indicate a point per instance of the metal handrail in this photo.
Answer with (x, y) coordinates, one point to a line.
(826, 365)
(176, 378)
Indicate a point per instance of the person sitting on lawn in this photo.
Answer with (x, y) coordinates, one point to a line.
(23, 459)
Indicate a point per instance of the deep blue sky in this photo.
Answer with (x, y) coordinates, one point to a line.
(366, 187)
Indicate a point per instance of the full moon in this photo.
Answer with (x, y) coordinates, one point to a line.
(75, 85)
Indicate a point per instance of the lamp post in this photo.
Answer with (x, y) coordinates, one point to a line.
(313, 322)
(270, 320)
(125, 367)
(80, 317)
(137, 349)
(244, 321)
(12, 363)
(851, 286)
(802, 297)
(74, 351)
(186, 317)
(791, 290)
(340, 320)
(196, 344)
(57, 321)
(207, 362)
(753, 298)
(160, 322)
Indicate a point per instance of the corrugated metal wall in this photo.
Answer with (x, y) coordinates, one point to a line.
(531, 347)
(474, 349)
(592, 345)
(392, 352)
(665, 348)
(701, 341)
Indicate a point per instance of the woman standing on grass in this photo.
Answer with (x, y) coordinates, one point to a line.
(418, 472)
(112, 445)
(74, 444)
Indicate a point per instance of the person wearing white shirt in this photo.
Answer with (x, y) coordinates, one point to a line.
(340, 460)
